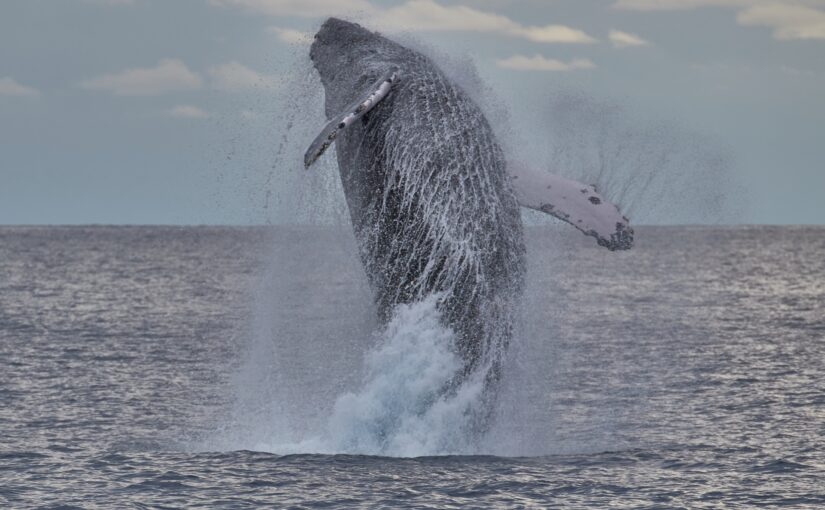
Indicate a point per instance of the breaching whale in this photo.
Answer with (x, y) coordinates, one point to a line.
(434, 206)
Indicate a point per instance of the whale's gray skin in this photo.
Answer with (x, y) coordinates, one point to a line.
(426, 185)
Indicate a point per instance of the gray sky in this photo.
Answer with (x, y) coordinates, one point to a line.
(159, 111)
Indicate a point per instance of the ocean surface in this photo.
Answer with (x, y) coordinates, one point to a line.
(168, 367)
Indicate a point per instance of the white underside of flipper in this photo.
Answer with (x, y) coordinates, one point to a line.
(351, 113)
(577, 204)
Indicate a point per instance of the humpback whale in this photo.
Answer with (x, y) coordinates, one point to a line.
(434, 205)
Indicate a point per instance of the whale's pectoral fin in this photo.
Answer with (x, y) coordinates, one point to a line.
(353, 112)
(578, 204)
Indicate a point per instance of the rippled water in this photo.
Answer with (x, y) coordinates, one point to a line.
(200, 366)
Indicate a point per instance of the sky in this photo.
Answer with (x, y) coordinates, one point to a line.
(197, 111)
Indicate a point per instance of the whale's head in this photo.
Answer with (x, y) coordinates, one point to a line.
(341, 45)
(348, 57)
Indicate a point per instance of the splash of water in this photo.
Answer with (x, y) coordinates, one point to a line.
(403, 407)
(656, 170)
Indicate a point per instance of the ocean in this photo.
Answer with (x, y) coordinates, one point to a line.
(228, 367)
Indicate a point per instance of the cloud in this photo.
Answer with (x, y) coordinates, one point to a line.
(110, 2)
(170, 75)
(187, 112)
(291, 36)
(554, 34)
(302, 8)
(676, 5)
(787, 21)
(10, 87)
(624, 39)
(234, 76)
(540, 63)
(416, 15)
(428, 15)
(681, 5)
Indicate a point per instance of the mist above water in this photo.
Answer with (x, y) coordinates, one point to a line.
(658, 172)
(380, 391)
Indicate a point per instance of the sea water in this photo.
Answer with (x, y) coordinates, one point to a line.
(236, 367)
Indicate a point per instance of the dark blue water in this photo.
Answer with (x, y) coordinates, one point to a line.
(213, 367)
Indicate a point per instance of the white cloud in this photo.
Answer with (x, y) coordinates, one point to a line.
(10, 87)
(170, 75)
(553, 34)
(428, 15)
(680, 5)
(676, 5)
(540, 63)
(625, 39)
(234, 76)
(416, 15)
(187, 112)
(303, 8)
(291, 36)
(787, 21)
(110, 2)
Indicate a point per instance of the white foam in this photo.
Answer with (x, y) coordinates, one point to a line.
(401, 408)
